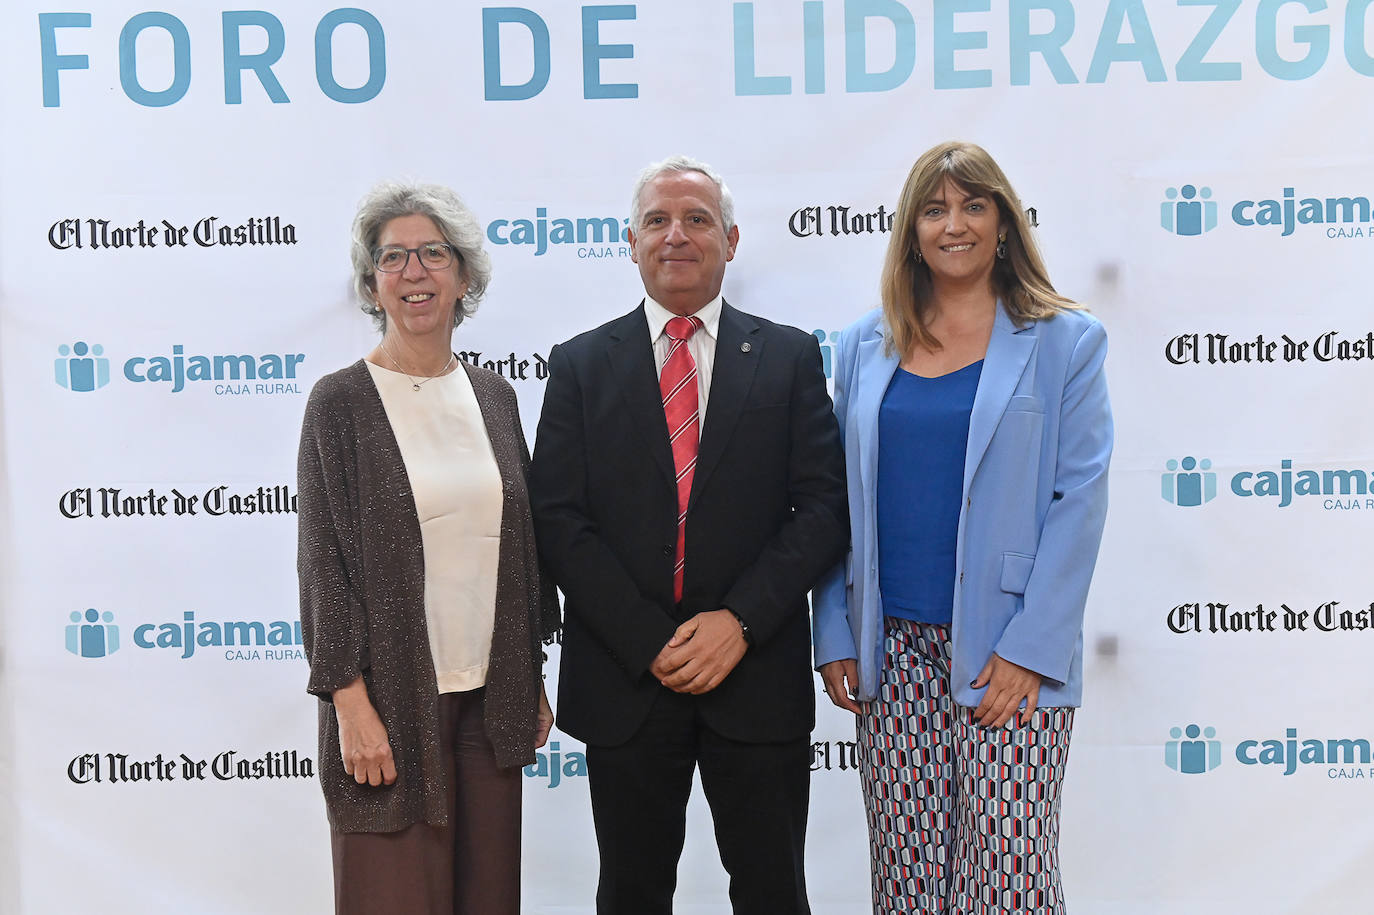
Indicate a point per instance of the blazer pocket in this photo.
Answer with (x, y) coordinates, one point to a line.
(1023, 403)
(1016, 572)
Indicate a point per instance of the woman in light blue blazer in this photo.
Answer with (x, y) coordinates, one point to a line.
(977, 436)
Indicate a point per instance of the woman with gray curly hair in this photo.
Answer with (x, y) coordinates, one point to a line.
(423, 607)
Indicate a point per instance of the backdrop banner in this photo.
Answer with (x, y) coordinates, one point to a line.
(177, 189)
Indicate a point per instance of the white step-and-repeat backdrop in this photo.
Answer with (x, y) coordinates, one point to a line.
(177, 184)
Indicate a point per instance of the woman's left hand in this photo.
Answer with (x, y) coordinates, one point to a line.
(1007, 685)
(543, 722)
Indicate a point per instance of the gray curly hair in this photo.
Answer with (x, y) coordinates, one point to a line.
(391, 200)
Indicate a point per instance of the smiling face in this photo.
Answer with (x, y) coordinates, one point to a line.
(418, 302)
(681, 245)
(956, 235)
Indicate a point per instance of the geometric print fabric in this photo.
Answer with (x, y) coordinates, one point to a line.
(962, 819)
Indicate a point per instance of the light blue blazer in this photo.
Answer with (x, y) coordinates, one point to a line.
(1035, 499)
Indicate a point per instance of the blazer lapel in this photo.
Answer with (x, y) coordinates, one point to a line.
(632, 360)
(732, 376)
(874, 374)
(1009, 349)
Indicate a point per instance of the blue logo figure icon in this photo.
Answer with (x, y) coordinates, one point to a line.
(80, 367)
(1184, 214)
(828, 341)
(96, 637)
(1188, 482)
(1192, 750)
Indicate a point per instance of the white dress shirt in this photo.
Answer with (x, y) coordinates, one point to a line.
(702, 344)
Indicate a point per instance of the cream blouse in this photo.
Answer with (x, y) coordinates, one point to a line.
(452, 470)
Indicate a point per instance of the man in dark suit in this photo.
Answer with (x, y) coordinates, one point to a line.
(688, 489)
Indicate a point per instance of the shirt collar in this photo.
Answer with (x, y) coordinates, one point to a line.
(658, 317)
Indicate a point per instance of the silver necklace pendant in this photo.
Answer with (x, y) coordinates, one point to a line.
(415, 385)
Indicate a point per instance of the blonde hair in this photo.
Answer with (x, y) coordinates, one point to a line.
(1019, 280)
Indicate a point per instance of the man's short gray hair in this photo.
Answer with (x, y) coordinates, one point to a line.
(682, 164)
(391, 200)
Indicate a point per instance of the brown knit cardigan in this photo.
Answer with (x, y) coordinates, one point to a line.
(361, 569)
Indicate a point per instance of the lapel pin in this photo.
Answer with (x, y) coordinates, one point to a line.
(745, 347)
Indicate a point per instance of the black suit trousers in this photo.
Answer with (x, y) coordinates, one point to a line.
(758, 794)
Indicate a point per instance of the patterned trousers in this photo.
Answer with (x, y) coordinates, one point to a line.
(962, 819)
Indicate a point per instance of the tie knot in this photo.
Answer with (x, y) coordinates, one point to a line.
(681, 328)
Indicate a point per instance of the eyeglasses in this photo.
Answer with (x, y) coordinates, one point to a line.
(393, 258)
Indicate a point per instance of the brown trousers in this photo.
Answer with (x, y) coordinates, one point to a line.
(470, 866)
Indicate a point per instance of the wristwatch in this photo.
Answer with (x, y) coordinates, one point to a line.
(743, 628)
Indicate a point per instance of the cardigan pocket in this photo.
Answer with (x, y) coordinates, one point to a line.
(1016, 572)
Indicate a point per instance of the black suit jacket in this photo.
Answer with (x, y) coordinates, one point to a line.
(767, 516)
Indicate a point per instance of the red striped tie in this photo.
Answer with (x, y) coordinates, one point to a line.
(678, 385)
